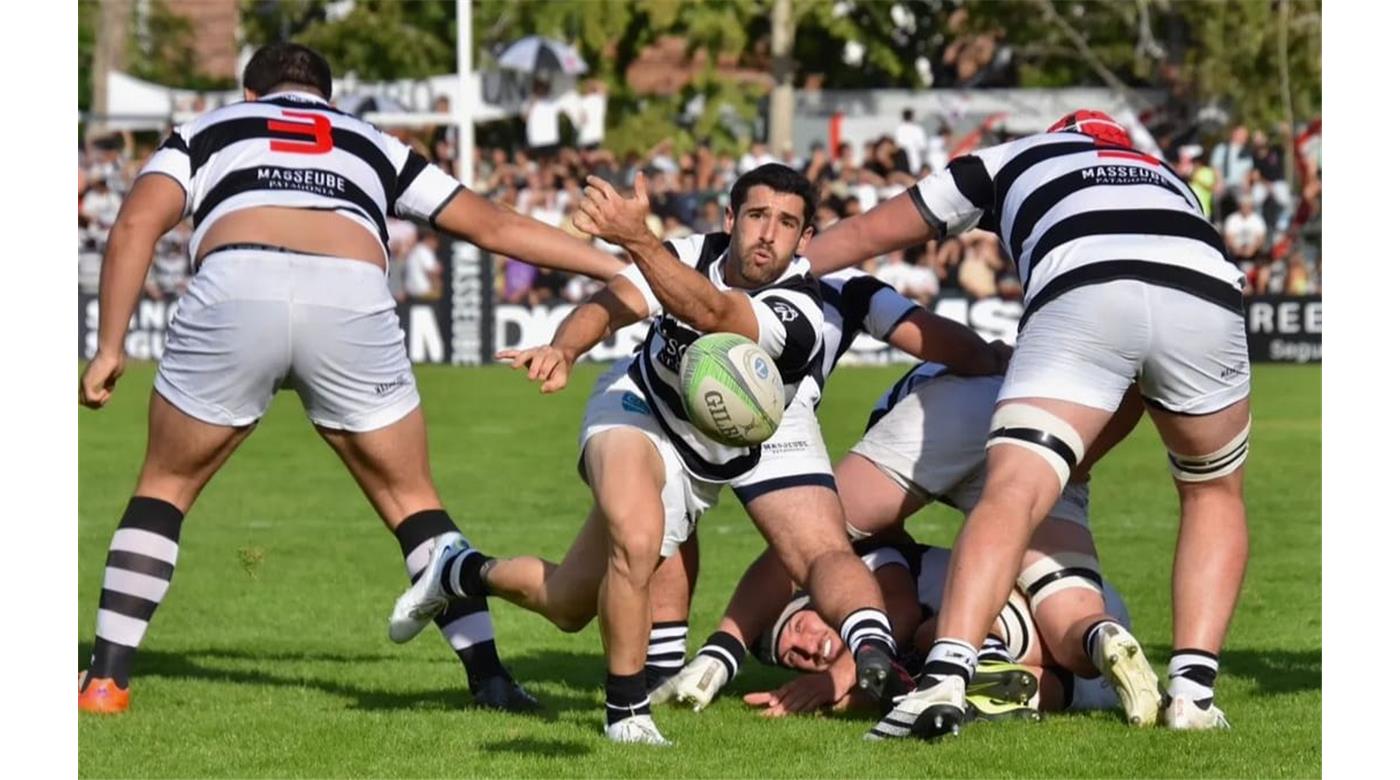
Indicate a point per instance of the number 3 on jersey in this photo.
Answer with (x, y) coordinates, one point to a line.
(315, 126)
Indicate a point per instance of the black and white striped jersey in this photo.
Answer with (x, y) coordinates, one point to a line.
(789, 313)
(1072, 211)
(292, 149)
(854, 302)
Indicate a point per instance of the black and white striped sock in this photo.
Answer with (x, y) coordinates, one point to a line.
(1191, 673)
(728, 650)
(867, 625)
(947, 658)
(1093, 633)
(665, 651)
(993, 650)
(466, 623)
(626, 696)
(140, 562)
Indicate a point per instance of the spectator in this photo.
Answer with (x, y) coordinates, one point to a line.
(100, 204)
(1271, 186)
(756, 155)
(422, 271)
(912, 275)
(711, 217)
(542, 123)
(1232, 160)
(1245, 232)
(592, 114)
(912, 139)
(444, 138)
(938, 146)
(982, 264)
(519, 279)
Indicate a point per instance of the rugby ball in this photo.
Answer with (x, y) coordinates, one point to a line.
(731, 389)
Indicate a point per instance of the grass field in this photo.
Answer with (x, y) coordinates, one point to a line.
(270, 656)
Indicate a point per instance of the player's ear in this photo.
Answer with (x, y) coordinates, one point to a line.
(807, 233)
(729, 219)
(249, 94)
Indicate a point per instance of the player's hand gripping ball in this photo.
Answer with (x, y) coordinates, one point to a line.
(731, 389)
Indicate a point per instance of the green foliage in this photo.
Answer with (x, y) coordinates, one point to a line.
(88, 13)
(376, 40)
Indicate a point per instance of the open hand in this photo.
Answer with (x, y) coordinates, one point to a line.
(605, 214)
(547, 365)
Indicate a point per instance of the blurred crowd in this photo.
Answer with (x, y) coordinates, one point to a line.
(1272, 230)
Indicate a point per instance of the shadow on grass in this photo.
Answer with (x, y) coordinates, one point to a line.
(205, 665)
(1275, 672)
(530, 746)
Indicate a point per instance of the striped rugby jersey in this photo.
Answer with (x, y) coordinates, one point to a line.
(789, 313)
(1071, 211)
(293, 150)
(854, 302)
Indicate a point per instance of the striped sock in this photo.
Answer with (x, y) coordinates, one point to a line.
(140, 562)
(626, 696)
(993, 650)
(665, 651)
(947, 658)
(867, 625)
(1191, 673)
(466, 623)
(1091, 636)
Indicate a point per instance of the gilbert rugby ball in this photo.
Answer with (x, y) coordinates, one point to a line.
(731, 389)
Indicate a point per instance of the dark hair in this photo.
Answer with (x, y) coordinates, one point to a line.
(909, 115)
(287, 63)
(779, 178)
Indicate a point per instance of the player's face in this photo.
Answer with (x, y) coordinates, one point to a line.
(808, 644)
(764, 233)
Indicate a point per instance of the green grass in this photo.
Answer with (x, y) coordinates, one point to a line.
(269, 657)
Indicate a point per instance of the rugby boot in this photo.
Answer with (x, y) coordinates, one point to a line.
(638, 729)
(880, 677)
(930, 713)
(102, 696)
(1123, 663)
(1007, 682)
(1182, 714)
(503, 693)
(426, 598)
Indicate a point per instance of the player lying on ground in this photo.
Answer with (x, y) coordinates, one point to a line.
(1125, 280)
(924, 443)
(793, 484)
(1016, 675)
(289, 199)
(652, 473)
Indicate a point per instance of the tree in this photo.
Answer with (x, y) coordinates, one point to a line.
(374, 40)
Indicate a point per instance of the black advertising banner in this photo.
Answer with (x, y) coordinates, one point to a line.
(1284, 328)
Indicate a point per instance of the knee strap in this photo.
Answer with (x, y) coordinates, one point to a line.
(1041, 432)
(1202, 468)
(1016, 626)
(1058, 572)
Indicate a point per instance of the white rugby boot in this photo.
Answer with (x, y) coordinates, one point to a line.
(1123, 663)
(426, 598)
(638, 730)
(1180, 713)
(930, 713)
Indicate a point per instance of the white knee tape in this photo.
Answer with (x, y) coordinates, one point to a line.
(1040, 432)
(1201, 468)
(1059, 572)
(1016, 626)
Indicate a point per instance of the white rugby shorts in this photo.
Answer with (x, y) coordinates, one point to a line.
(617, 402)
(254, 321)
(1086, 346)
(795, 456)
(933, 443)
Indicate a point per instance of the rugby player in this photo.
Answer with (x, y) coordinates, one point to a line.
(652, 473)
(289, 199)
(794, 476)
(1016, 675)
(924, 442)
(1125, 280)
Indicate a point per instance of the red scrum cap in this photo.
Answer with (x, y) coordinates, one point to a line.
(1096, 125)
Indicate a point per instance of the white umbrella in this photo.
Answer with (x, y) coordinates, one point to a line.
(363, 103)
(534, 54)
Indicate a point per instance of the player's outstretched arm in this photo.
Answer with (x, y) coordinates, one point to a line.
(894, 224)
(927, 336)
(154, 206)
(496, 229)
(610, 309)
(681, 290)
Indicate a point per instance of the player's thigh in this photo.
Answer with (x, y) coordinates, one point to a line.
(871, 499)
(627, 474)
(1031, 453)
(390, 464)
(801, 523)
(1208, 451)
(183, 453)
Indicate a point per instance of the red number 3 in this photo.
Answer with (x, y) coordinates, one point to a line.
(317, 127)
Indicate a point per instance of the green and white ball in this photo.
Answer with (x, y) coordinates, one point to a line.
(731, 389)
